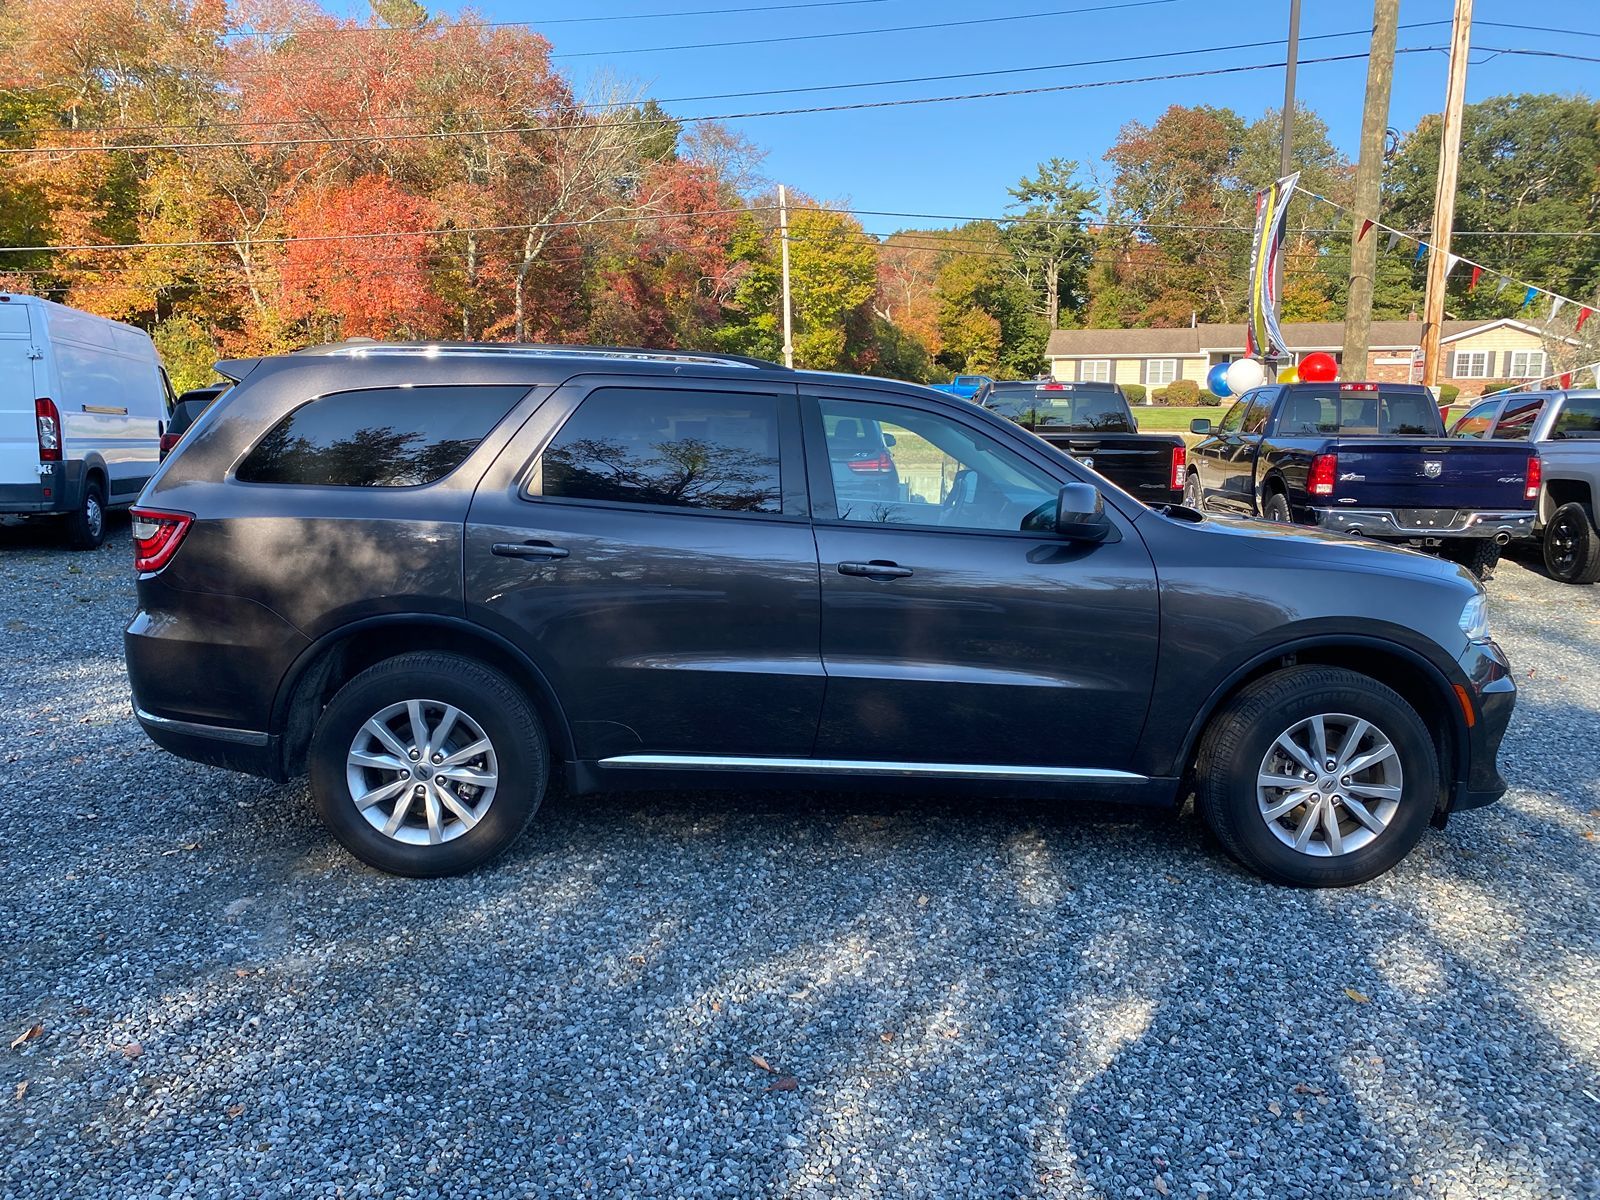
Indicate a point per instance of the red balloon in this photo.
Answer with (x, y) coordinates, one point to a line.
(1318, 368)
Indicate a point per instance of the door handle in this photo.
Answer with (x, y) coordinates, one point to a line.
(529, 550)
(876, 569)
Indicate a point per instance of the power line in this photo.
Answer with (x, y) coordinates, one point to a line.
(530, 25)
(859, 106)
(848, 33)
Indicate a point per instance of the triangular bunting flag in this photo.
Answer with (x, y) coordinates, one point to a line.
(1394, 239)
(1450, 261)
(1503, 282)
(1584, 316)
(1566, 379)
(1365, 226)
(1422, 248)
(1527, 297)
(1555, 306)
(1476, 271)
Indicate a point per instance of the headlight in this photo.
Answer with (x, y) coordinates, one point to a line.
(1475, 618)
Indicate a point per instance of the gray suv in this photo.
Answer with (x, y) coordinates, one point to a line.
(433, 575)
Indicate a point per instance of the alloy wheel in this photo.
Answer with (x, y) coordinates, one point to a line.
(1563, 543)
(1329, 784)
(422, 772)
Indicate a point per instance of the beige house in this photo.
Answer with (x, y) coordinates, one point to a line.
(1475, 352)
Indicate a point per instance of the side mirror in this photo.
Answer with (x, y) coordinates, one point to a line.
(888, 439)
(1200, 425)
(1081, 513)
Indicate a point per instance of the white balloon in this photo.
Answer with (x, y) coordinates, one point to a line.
(1244, 374)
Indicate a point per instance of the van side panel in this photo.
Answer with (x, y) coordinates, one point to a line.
(20, 488)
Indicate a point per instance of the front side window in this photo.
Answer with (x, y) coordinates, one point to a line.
(1159, 372)
(1234, 417)
(675, 449)
(1260, 409)
(379, 437)
(902, 466)
(1472, 364)
(1095, 370)
(1526, 364)
(1477, 421)
(1518, 420)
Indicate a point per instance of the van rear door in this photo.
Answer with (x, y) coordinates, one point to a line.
(19, 432)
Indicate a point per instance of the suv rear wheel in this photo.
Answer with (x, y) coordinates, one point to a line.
(428, 764)
(1317, 777)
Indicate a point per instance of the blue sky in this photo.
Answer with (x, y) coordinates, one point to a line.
(959, 158)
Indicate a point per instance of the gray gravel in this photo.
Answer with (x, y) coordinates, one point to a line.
(995, 1001)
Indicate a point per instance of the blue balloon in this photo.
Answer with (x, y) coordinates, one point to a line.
(1217, 380)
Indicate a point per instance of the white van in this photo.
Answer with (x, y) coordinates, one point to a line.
(83, 405)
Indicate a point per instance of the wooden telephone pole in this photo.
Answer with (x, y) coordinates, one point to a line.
(1369, 182)
(1444, 192)
(788, 317)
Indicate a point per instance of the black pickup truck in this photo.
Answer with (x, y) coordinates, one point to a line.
(1365, 458)
(1093, 423)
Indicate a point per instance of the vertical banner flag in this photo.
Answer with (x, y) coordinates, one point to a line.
(1263, 337)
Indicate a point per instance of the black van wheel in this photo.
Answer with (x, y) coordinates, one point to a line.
(428, 764)
(1572, 545)
(1317, 777)
(86, 527)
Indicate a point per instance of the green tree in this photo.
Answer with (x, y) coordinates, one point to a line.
(1047, 240)
(833, 276)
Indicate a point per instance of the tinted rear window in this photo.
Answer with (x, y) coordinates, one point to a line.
(380, 437)
(1085, 411)
(1328, 409)
(686, 449)
(1579, 417)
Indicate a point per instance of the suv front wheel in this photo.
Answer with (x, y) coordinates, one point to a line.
(1317, 777)
(428, 764)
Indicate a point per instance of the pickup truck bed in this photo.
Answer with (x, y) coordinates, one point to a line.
(1370, 459)
(1093, 423)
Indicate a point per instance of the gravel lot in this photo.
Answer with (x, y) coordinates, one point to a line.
(745, 995)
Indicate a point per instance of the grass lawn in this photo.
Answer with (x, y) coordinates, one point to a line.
(1155, 419)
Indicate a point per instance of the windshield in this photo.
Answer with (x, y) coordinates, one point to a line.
(1329, 408)
(1049, 408)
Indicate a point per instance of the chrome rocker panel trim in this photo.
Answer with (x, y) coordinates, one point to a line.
(847, 766)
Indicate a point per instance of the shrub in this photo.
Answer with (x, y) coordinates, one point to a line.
(1159, 396)
(1135, 392)
(1209, 399)
(1491, 385)
(1183, 393)
(1447, 394)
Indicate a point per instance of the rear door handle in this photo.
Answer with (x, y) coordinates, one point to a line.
(529, 550)
(876, 569)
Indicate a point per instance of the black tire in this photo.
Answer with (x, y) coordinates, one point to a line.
(1236, 745)
(485, 698)
(1276, 508)
(1572, 545)
(1478, 555)
(1193, 494)
(86, 527)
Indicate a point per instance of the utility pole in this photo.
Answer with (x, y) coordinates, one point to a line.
(1286, 140)
(1369, 183)
(1444, 191)
(783, 236)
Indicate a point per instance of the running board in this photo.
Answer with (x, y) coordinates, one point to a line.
(851, 766)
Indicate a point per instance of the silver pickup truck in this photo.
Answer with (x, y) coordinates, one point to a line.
(1566, 427)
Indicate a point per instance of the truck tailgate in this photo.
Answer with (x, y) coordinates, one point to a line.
(1424, 473)
(1139, 464)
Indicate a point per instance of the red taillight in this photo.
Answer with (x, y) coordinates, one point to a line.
(877, 463)
(1052, 387)
(1535, 478)
(1180, 466)
(168, 441)
(48, 420)
(156, 537)
(1324, 471)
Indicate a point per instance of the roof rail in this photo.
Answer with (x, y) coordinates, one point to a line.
(362, 348)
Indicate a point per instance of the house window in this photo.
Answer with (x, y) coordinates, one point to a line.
(1526, 364)
(1158, 372)
(1472, 364)
(1095, 370)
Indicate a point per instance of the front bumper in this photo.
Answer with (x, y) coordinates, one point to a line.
(1425, 522)
(1490, 695)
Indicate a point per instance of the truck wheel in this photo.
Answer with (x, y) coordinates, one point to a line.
(1478, 555)
(1572, 545)
(86, 527)
(1317, 777)
(1193, 495)
(428, 764)
(1277, 508)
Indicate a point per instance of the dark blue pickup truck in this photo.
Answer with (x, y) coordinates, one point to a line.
(1365, 458)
